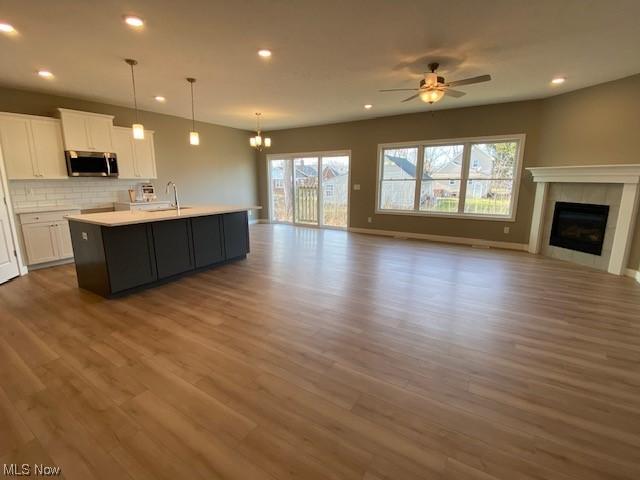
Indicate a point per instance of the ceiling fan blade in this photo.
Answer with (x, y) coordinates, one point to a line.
(411, 97)
(455, 93)
(469, 81)
(399, 90)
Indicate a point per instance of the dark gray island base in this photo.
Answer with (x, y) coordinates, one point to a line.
(115, 260)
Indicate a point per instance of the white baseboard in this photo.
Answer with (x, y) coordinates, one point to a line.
(478, 242)
(630, 272)
(55, 263)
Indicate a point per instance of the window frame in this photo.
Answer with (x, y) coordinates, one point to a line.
(466, 154)
(318, 153)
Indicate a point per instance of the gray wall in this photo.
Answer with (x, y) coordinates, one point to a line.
(222, 169)
(596, 125)
(363, 137)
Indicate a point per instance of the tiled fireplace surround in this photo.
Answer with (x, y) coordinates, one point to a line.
(613, 185)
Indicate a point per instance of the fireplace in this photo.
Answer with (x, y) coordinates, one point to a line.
(579, 226)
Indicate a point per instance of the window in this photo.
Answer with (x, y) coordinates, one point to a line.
(398, 176)
(441, 176)
(474, 177)
(329, 190)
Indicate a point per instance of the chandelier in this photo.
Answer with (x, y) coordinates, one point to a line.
(258, 141)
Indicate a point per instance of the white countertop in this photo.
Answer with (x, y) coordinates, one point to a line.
(52, 208)
(126, 217)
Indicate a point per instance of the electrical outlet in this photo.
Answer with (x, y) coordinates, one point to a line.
(369, 219)
(507, 229)
(85, 236)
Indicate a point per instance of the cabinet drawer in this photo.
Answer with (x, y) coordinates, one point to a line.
(43, 217)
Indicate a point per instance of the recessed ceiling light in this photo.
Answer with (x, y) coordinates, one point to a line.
(133, 21)
(264, 53)
(368, 106)
(45, 73)
(160, 98)
(558, 80)
(6, 28)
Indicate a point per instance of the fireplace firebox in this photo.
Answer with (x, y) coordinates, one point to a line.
(579, 226)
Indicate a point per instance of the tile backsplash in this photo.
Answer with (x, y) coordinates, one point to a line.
(79, 192)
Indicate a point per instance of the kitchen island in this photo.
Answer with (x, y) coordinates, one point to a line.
(123, 251)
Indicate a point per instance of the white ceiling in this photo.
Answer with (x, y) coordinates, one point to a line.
(329, 56)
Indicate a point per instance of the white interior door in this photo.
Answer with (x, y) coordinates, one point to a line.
(8, 259)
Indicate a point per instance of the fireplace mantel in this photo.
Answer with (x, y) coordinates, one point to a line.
(628, 175)
(587, 174)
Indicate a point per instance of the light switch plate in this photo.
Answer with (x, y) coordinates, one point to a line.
(356, 186)
(85, 236)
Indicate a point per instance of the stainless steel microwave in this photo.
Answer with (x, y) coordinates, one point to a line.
(91, 164)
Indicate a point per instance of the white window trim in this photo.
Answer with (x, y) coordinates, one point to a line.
(519, 137)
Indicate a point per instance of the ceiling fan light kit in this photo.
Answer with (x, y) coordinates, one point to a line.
(431, 96)
(433, 87)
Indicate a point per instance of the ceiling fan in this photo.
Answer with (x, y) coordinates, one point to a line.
(433, 87)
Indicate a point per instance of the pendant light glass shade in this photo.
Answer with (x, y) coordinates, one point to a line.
(267, 142)
(138, 131)
(194, 136)
(137, 128)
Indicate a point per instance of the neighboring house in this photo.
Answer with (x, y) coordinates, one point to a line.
(334, 181)
(336, 188)
(442, 182)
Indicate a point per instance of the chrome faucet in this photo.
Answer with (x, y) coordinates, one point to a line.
(176, 202)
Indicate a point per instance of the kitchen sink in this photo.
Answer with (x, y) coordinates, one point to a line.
(167, 209)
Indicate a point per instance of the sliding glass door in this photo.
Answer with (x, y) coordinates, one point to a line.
(306, 181)
(335, 191)
(310, 189)
(281, 190)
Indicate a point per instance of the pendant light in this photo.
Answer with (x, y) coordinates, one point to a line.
(257, 141)
(137, 128)
(194, 137)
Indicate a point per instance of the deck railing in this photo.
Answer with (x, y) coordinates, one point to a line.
(306, 199)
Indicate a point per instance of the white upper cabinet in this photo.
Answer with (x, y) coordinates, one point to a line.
(123, 147)
(136, 158)
(17, 148)
(145, 156)
(86, 132)
(48, 148)
(32, 147)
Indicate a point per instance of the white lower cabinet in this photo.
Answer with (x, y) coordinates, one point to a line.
(46, 236)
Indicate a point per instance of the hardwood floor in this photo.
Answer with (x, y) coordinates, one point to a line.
(329, 355)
